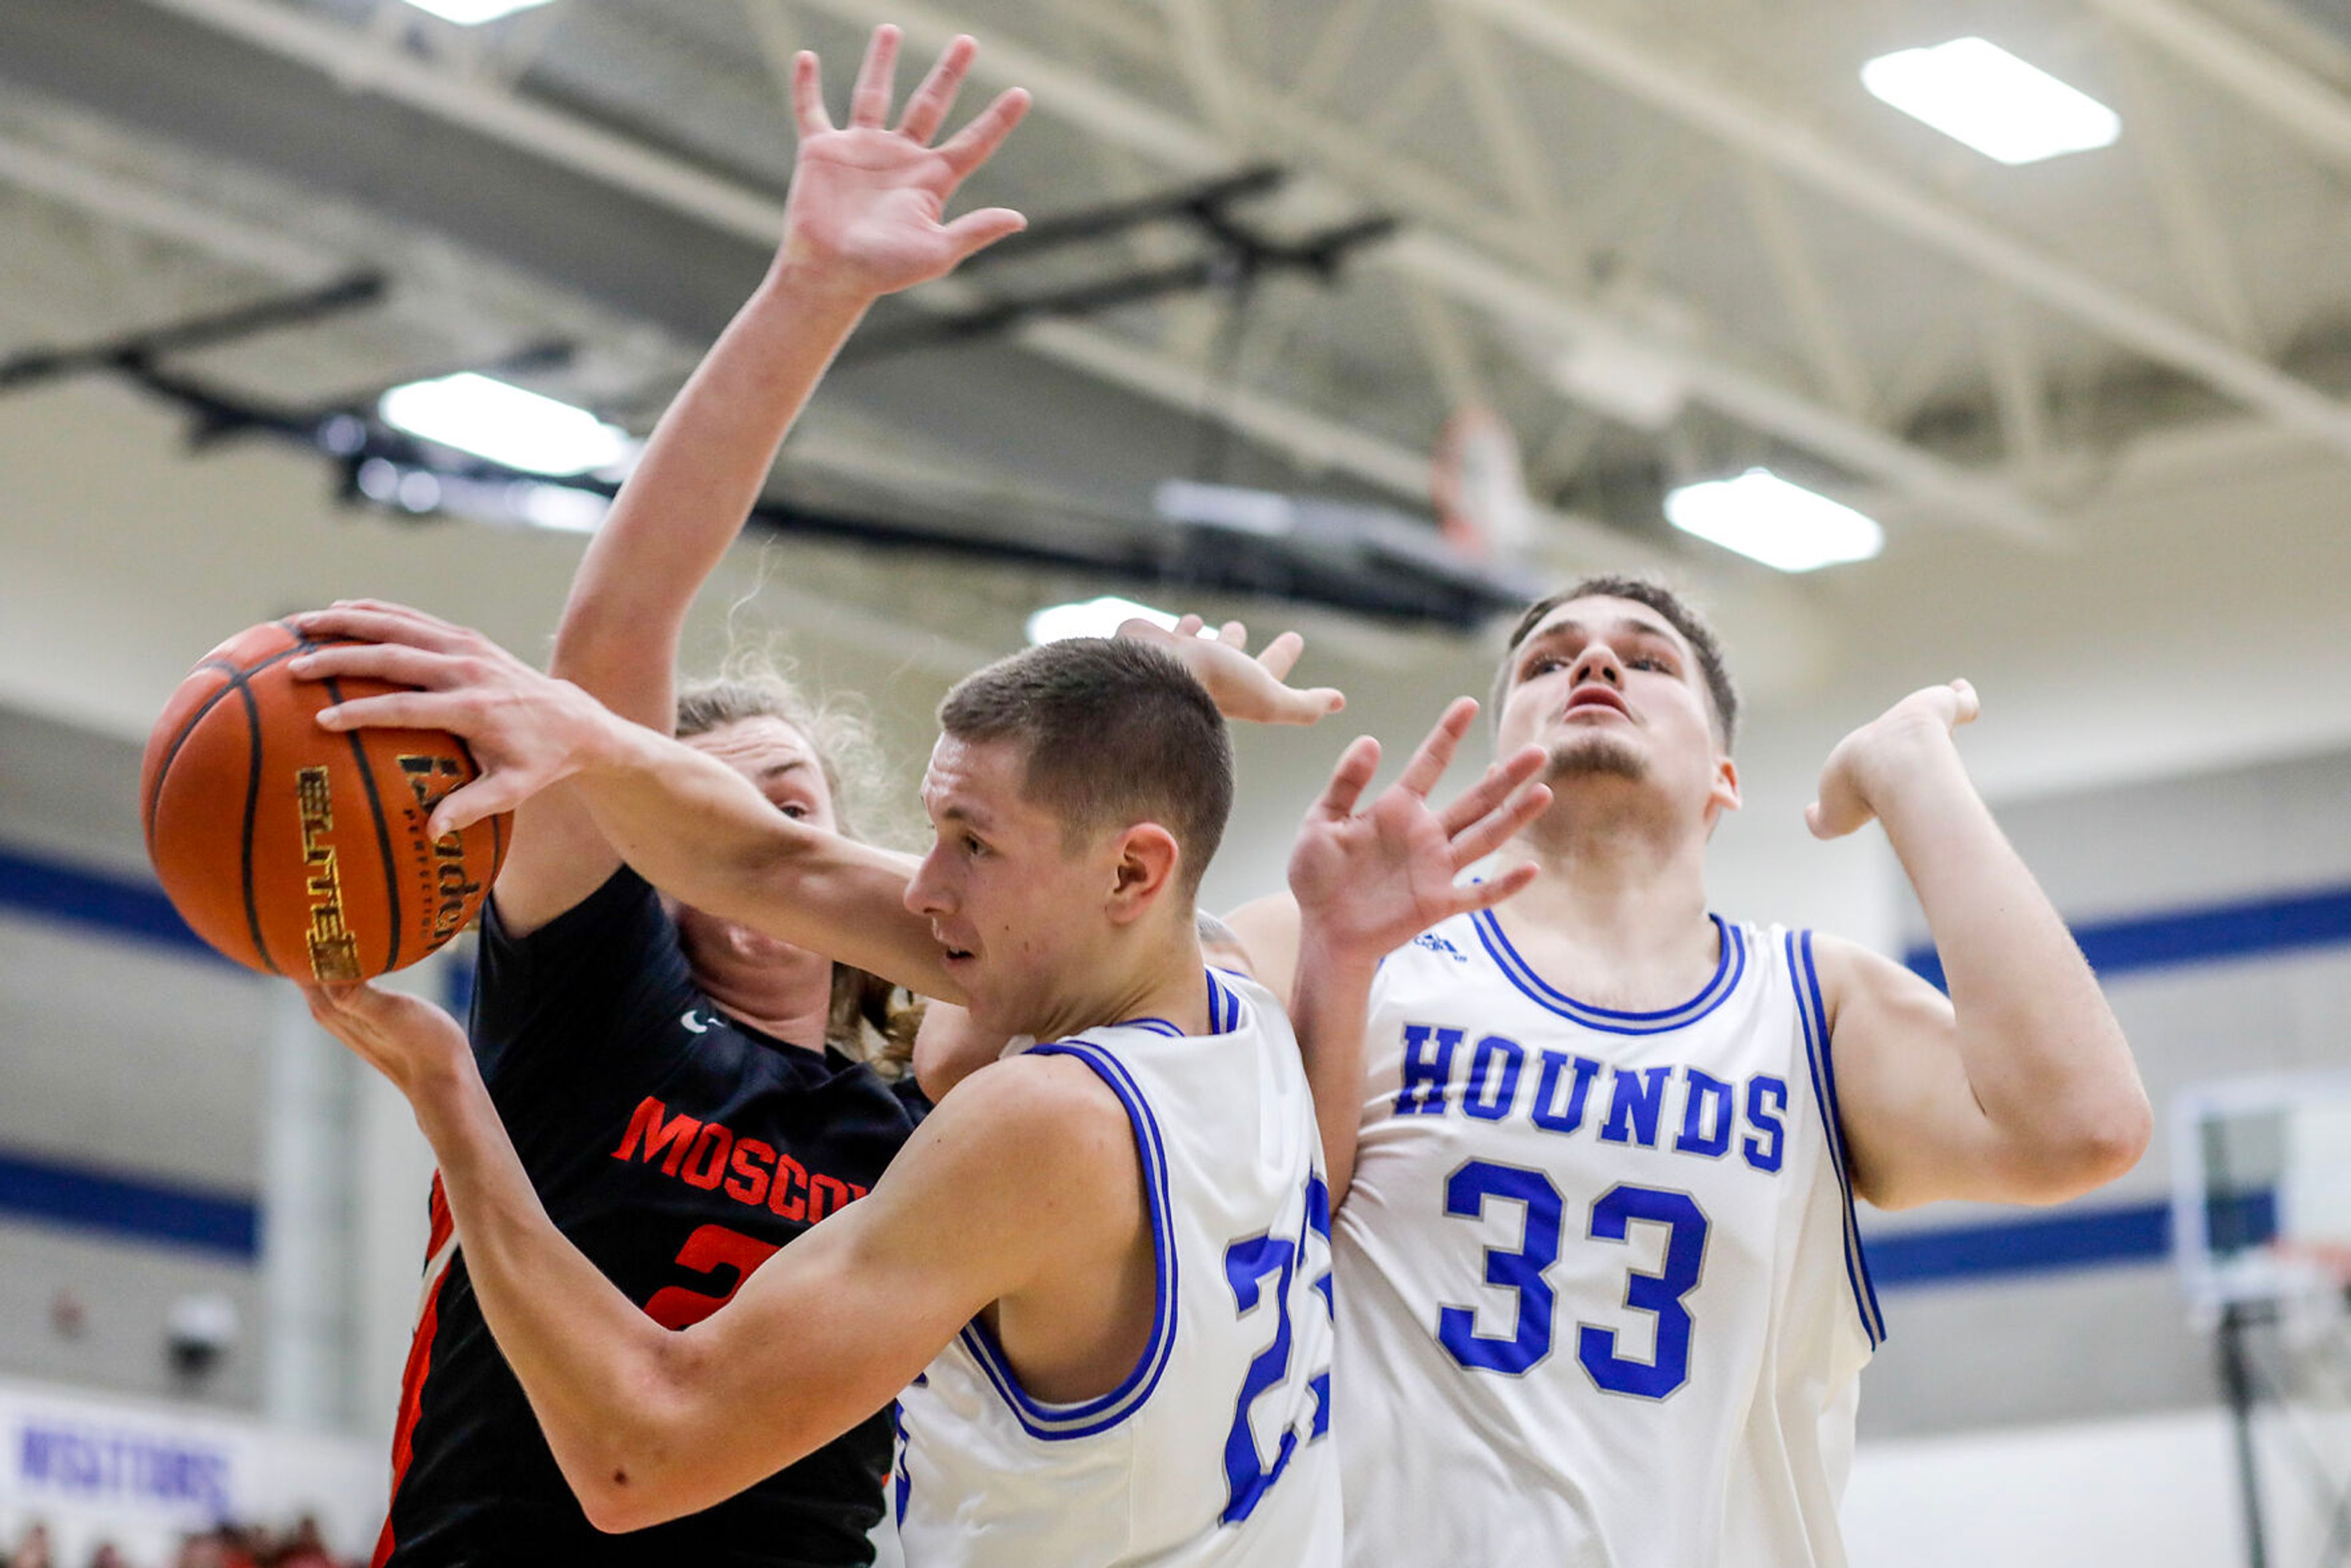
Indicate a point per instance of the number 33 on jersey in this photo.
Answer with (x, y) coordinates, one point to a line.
(1597, 1272)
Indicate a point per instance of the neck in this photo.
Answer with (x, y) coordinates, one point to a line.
(789, 998)
(1161, 974)
(1616, 877)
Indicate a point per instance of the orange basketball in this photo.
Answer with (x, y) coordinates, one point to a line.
(297, 851)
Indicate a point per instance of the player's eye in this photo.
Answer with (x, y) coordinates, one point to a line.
(795, 810)
(972, 845)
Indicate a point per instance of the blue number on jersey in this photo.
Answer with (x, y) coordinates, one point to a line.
(1523, 1270)
(1247, 1264)
(1659, 1293)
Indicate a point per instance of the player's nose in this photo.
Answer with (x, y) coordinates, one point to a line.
(925, 893)
(1598, 662)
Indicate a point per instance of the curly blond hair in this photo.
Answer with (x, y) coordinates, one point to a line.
(871, 1019)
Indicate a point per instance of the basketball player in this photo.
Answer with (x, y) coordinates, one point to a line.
(1101, 1264)
(675, 1084)
(1596, 1150)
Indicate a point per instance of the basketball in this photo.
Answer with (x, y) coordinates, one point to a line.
(295, 851)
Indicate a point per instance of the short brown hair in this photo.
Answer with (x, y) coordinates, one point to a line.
(1721, 695)
(1115, 732)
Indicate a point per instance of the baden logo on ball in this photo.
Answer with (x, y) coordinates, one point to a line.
(295, 851)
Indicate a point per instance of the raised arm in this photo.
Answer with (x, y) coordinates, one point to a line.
(995, 1192)
(864, 218)
(2019, 1087)
(1368, 882)
(690, 825)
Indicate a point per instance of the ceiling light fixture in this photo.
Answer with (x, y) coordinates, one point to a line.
(1766, 518)
(474, 12)
(1973, 91)
(1094, 617)
(504, 424)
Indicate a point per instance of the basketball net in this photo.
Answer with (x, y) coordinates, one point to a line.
(1477, 481)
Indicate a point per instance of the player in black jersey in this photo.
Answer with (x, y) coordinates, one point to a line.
(674, 1083)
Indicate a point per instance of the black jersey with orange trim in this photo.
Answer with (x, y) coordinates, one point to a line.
(677, 1149)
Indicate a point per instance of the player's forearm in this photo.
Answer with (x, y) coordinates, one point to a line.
(594, 1366)
(2044, 1053)
(702, 833)
(1330, 1006)
(699, 477)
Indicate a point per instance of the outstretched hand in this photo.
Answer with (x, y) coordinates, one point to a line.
(1250, 690)
(405, 1038)
(1369, 881)
(528, 730)
(1867, 767)
(868, 202)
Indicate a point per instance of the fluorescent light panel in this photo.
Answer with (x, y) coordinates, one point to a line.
(474, 12)
(1094, 617)
(504, 424)
(1766, 518)
(1973, 91)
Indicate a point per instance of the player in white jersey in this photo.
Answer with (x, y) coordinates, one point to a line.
(1209, 1424)
(1103, 1262)
(1596, 1150)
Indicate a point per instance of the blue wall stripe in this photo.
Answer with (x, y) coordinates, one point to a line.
(2200, 934)
(2066, 1240)
(2044, 1244)
(118, 906)
(142, 1208)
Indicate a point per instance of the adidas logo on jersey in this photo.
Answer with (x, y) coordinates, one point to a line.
(1435, 943)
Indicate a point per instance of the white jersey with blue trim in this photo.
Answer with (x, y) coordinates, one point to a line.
(1602, 1301)
(1217, 1447)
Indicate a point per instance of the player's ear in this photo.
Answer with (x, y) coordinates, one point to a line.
(1145, 864)
(1724, 795)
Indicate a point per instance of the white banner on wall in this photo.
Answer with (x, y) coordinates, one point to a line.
(142, 1474)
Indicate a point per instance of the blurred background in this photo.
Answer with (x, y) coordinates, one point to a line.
(1916, 340)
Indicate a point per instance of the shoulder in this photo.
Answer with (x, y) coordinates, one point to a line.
(1856, 980)
(623, 907)
(1268, 930)
(1048, 1115)
(606, 970)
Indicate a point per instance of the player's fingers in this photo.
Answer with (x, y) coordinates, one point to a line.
(393, 607)
(1971, 706)
(484, 797)
(1490, 833)
(807, 96)
(393, 662)
(384, 626)
(1435, 754)
(1233, 634)
(1492, 891)
(869, 103)
(1189, 625)
(1356, 766)
(931, 102)
(978, 142)
(1500, 780)
(1310, 706)
(1280, 656)
(976, 231)
(401, 710)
